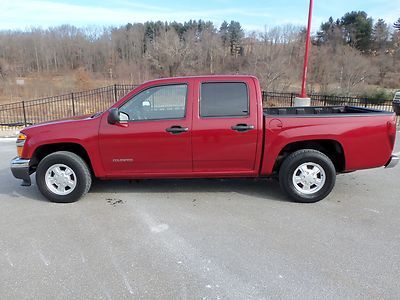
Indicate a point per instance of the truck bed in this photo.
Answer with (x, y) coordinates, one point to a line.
(360, 132)
(322, 110)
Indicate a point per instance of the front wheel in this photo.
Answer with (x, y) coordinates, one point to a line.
(63, 177)
(307, 176)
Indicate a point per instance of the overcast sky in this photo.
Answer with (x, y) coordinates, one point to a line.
(252, 14)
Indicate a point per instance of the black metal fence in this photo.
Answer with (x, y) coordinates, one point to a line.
(271, 99)
(24, 113)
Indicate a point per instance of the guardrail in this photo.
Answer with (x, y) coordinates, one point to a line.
(24, 113)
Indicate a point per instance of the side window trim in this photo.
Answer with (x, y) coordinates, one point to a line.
(226, 116)
(156, 86)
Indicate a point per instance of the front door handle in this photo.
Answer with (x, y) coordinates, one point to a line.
(242, 127)
(176, 129)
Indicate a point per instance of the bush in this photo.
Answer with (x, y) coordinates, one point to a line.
(378, 96)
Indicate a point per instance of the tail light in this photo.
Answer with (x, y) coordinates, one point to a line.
(391, 127)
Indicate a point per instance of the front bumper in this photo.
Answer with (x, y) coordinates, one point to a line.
(20, 169)
(393, 161)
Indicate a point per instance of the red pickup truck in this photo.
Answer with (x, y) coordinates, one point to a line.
(205, 127)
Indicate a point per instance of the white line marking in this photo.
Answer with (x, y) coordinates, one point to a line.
(128, 286)
(373, 210)
(9, 260)
(197, 262)
(159, 228)
(42, 257)
(154, 227)
(122, 274)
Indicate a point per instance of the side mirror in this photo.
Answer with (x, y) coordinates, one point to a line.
(113, 116)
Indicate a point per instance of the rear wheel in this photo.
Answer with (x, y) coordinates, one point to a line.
(307, 176)
(63, 177)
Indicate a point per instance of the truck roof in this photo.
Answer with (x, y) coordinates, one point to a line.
(205, 77)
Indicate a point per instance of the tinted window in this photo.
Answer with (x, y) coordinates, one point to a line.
(224, 99)
(160, 102)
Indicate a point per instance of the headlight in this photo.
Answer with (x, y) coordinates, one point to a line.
(20, 143)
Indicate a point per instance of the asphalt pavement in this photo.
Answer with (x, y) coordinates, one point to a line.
(201, 239)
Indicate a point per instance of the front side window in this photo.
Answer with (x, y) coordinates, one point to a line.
(157, 103)
(224, 99)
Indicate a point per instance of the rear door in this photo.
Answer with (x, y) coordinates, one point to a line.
(225, 129)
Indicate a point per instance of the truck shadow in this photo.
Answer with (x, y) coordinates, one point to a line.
(267, 189)
(11, 189)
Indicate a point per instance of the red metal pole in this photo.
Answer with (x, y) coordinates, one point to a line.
(308, 40)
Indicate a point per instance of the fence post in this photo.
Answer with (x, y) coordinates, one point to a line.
(115, 93)
(263, 97)
(73, 104)
(291, 99)
(23, 109)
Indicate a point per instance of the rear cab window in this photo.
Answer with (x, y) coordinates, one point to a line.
(224, 99)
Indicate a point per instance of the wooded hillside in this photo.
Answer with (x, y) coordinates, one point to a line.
(351, 55)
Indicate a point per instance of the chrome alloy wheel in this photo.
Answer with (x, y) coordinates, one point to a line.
(309, 178)
(60, 179)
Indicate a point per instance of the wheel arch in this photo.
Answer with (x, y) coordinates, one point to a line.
(331, 148)
(46, 149)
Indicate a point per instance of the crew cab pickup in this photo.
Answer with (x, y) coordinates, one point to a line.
(205, 127)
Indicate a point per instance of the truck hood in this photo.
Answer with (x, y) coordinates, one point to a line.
(64, 121)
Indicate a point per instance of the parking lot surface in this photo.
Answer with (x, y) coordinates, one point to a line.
(200, 239)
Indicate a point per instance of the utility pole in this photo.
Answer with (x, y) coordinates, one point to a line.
(303, 100)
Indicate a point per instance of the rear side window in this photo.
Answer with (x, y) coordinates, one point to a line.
(224, 99)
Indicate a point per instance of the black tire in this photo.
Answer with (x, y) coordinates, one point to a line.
(74, 162)
(295, 160)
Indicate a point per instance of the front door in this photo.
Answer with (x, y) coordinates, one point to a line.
(157, 136)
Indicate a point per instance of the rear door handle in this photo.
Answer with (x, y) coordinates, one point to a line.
(176, 129)
(242, 127)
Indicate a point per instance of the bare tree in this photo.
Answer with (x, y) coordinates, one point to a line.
(62, 58)
(168, 52)
(353, 70)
